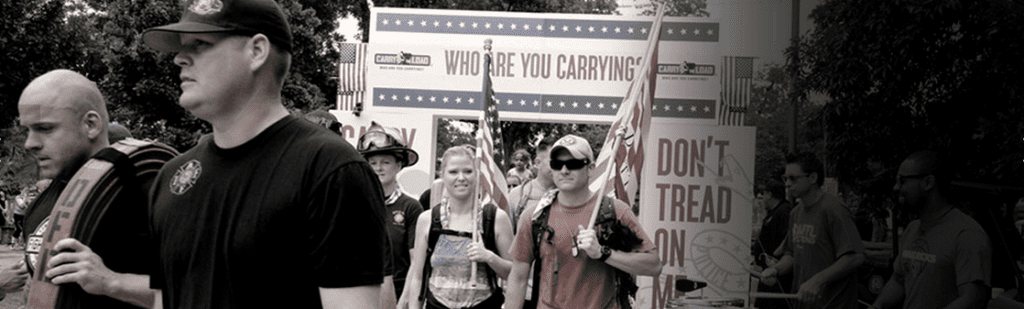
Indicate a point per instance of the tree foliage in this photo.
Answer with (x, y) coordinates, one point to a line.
(102, 40)
(26, 53)
(912, 75)
(770, 111)
(691, 8)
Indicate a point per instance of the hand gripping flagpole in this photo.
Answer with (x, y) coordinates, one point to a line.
(619, 133)
(633, 95)
(478, 160)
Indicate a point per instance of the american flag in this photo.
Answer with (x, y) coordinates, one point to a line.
(351, 76)
(492, 179)
(737, 75)
(623, 164)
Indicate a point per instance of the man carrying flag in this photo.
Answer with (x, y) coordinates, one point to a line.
(587, 245)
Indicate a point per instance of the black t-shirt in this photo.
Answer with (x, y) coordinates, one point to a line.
(118, 236)
(402, 229)
(267, 223)
(773, 230)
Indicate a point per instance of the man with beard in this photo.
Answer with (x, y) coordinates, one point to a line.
(944, 262)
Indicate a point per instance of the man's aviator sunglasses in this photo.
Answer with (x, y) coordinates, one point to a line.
(573, 164)
(376, 140)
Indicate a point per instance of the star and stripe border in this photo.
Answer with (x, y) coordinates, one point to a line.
(538, 103)
(545, 27)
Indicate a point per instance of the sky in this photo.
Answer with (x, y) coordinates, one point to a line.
(761, 28)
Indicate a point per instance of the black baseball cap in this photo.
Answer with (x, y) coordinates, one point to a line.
(233, 16)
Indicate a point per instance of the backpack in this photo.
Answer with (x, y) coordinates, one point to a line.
(610, 232)
(488, 238)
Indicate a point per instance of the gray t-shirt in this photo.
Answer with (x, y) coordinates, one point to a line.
(820, 233)
(937, 257)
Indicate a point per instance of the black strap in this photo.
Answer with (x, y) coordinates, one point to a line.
(611, 233)
(436, 230)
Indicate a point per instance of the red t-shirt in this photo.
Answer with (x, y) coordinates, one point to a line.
(582, 282)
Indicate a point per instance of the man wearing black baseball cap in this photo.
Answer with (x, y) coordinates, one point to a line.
(270, 210)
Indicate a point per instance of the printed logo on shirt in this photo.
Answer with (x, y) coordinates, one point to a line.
(916, 257)
(185, 177)
(399, 217)
(35, 244)
(804, 234)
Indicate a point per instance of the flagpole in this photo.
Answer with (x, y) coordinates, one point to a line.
(621, 131)
(476, 204)
(477, 163)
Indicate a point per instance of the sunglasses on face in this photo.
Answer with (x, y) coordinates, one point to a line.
(573, 164)
(375, 140)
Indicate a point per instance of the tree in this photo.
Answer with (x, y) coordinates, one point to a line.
(907, 75)
(141, 84)
(27, 53)
(770, 111)
(693, 8)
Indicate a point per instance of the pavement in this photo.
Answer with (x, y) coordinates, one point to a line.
(8, 256)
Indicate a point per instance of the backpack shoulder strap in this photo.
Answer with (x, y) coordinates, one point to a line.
(491, 242)
(435, 229)
(489, 237)
(606, 214)
(432, 236)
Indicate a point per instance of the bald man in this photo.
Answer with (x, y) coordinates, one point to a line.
(66, 118)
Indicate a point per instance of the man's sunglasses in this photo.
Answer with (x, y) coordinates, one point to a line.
(573, 164)
(376, 140)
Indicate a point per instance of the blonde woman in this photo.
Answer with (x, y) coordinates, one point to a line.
(440, 274)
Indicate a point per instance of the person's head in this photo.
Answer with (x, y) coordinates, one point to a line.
(386, 151)
(571, 163)
(117, 132)
(543, 159)
(521, 158)
(325, 119)
(513, 181)
(66, 118)
(803, 172)
(922, 175)
(227, 50)
(772, 191)
(459, 171)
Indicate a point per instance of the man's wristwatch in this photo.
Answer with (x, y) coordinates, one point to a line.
(605, 253)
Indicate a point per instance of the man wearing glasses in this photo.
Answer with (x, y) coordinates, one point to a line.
(575, 269)
(823, 248)
(945, 255)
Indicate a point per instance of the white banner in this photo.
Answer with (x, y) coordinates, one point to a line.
(696, 205)
(547, 67)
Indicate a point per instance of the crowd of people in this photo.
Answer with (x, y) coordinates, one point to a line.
(809, 244)
(274, 210)
(277, 210)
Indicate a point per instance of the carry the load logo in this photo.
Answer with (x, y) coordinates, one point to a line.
(185, 177)
(686, 68)
(402, 58)
(206, 7)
